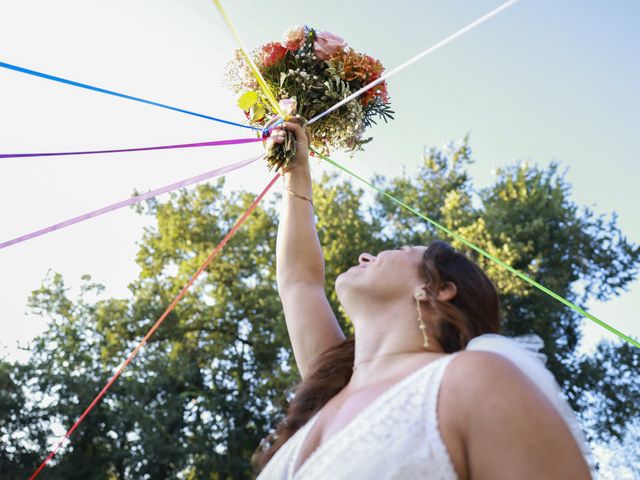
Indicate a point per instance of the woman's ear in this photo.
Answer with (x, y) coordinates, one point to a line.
(420, 293)
(447, 292)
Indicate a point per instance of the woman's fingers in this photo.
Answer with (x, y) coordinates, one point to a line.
(277, 135)
(295, 126)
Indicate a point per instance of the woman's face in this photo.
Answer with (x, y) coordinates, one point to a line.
(389, 275)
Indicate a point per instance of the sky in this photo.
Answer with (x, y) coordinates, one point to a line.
(543, 81)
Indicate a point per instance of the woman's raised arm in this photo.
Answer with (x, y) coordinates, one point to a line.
(311, 323)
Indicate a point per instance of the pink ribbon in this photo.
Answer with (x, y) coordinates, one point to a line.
(131, 201)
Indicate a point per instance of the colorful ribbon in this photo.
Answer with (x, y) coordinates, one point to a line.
(213, 143)
(130, 201)
(142, 342)
(245, 53)
(267, 91)
(496, 260)
(116, 94)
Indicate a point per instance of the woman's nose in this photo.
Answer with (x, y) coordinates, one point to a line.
(366, 258)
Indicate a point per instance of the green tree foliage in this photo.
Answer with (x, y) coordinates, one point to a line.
(214, 378)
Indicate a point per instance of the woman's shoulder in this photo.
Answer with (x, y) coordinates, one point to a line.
(473, 375)
(464, 375)
(489, 403)
(473, 368)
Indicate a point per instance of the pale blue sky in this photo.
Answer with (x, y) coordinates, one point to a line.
(542, 81)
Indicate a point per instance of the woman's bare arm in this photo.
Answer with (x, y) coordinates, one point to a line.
(509, 428)
(311, 323)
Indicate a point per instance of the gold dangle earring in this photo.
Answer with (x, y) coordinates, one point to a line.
(421, 324)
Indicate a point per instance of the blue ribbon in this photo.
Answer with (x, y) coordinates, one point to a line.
(116, 94)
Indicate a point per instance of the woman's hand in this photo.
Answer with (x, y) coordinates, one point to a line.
(294, 127)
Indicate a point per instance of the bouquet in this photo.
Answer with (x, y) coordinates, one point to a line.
(308, 72)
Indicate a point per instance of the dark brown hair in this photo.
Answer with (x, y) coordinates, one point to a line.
(474, 310)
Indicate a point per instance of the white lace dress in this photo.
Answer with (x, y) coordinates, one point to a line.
(394, 437)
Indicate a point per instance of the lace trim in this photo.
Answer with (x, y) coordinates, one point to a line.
(390, 400)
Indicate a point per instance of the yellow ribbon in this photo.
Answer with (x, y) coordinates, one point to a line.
(263, 84)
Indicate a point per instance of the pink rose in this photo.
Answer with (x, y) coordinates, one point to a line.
(293, 38)
(327, 45)
(288, 106)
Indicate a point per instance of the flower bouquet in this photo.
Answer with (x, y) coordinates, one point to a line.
(309, 72)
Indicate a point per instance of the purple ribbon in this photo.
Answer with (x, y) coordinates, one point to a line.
(131, 201)
(163, 147)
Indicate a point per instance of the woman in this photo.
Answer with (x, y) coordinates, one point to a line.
(403, 398)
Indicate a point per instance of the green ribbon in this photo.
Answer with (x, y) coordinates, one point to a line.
(524, 277)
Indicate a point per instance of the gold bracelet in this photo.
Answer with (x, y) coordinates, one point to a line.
(299, 196)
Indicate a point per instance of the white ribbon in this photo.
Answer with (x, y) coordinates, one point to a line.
(414, 59)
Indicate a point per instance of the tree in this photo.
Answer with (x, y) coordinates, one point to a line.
(215, 377)
(623, 457)
(17, 417)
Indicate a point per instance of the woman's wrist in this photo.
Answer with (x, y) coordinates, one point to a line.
(298, 195)
(298, 180)
(299, 186)
(293, 172)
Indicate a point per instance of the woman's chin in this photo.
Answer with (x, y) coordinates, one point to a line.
(347, 273)
(342, 281)
(345, 280)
